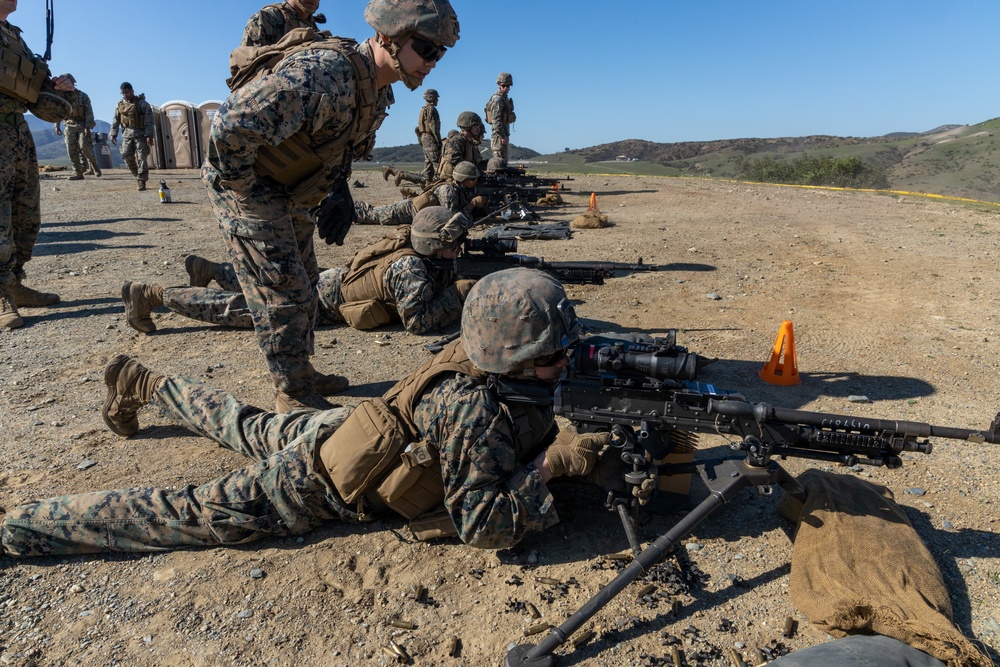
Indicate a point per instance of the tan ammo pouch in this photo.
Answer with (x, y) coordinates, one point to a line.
(365, 315)
(425, 199)
(291, 162)
(415, 486)
(366, 446)
(21, 77)
(438, 524)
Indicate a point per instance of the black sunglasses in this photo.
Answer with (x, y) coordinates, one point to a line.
(552, 359)
(427, 50)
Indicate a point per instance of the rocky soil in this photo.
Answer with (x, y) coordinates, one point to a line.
(892, 298)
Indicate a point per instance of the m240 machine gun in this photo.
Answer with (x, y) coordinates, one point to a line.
(481, 257)
(515, 184)
(646, 395)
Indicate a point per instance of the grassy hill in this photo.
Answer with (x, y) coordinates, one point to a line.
(50, 147)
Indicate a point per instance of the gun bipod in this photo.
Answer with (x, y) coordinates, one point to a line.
(725, 478)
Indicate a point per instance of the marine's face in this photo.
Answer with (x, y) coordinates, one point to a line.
(304, 7)
(127, 93)
(7, 7)
(415, 64)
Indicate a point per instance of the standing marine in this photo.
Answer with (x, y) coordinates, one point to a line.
(429, 133)
(26, 84)
(79, 124)
(274, 21)
(282, 143)
(500, 115)
(460, 146)
(134, 115)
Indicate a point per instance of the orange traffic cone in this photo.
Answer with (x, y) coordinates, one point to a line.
(593, 202)
(780, 370)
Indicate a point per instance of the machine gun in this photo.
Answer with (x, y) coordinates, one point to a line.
(482, 257)
(515, 184)
(646, 395)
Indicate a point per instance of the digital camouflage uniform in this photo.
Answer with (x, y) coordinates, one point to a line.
(20, 213)
(500, 115)
(268, 236)
(272, 22)
(493, 493)
(136, 120)
(78, 144)
(458, 148)
(429, 132)
(448, 194)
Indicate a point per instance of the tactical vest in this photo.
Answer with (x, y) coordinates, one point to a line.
(130, 114)
(367, 304)
(78, 113)
(426, 124)
(506, 108)
(310, 169)
(22, 75)
(454, 145)
(374, 456)
(427, 196)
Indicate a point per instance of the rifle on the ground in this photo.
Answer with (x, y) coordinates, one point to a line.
(482, 257)
(646, 395)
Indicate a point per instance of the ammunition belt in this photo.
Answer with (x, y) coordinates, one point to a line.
(12, 118)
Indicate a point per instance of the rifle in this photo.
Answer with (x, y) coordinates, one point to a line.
(646, 395)
(482, 257)
(50, 29)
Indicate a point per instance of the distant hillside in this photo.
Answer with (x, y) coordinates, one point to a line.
(51, 148)
(413, 153)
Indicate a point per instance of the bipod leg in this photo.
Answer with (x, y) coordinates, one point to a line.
(724, 482)
(628, 524)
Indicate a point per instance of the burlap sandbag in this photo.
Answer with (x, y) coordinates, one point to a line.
(590, 220)
(859, 567)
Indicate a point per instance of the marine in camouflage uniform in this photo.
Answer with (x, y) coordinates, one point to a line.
(429, 133)
(488, 463)
(20, 213)
(318, 97)
(500, 115)
(410, 290)
(135, 118)
(77, 135)
(272, 22)
(462, 146)
(455, 194)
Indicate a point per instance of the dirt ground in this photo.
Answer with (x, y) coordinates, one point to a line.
(893, 298)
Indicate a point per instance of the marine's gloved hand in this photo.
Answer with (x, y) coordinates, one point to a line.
(335, 214)
(462, 287)
(574, 454)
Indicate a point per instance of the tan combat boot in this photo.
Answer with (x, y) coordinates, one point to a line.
(200, 271)
(78, 176)
(141, 185)
(308, 401)
(130, 386)
(329, 385)
(139, 300)
(25, 297)
(388, 171)
(9, 317)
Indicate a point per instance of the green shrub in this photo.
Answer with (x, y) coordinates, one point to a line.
(845, 172)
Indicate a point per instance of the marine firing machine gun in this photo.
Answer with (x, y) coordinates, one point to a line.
(646, 395)
(481, 257)
(515, 184)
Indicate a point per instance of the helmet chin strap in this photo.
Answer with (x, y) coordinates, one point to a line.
(394, 48)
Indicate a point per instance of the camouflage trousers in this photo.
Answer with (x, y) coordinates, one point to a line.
(281, 493)
(399, 213)
(500, 150)
(271, 247)
(135, 152)
(79, 148)
(20, 212)
(432, 155)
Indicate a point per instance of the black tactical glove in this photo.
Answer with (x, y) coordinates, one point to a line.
(335, 214)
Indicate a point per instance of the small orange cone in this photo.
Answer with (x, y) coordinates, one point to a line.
(780, 370)
(593, 202)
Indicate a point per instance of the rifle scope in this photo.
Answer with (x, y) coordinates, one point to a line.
(663, 362)
(491, 246)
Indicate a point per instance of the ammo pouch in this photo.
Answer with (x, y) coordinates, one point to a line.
(425, 199)
(367, 314)
(21, 76)
(414, 487)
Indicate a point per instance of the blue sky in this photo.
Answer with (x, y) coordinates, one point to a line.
(588, 72)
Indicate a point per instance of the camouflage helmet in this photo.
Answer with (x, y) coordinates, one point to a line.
(468, 119)
(515, 316)
(399, 20)
(505, 79)
(436, 228)
(464, 171)
(430, 94)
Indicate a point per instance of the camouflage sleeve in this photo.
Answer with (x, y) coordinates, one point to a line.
(148, 120)
(311, 91)
(88, 111)
(436, 124)
(264, 28)
(492, 498)
(116, 122)
(452, 152)
(424, 304)
(496, 114)
(447, 196)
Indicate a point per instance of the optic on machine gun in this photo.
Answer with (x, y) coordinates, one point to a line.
(659, 358)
